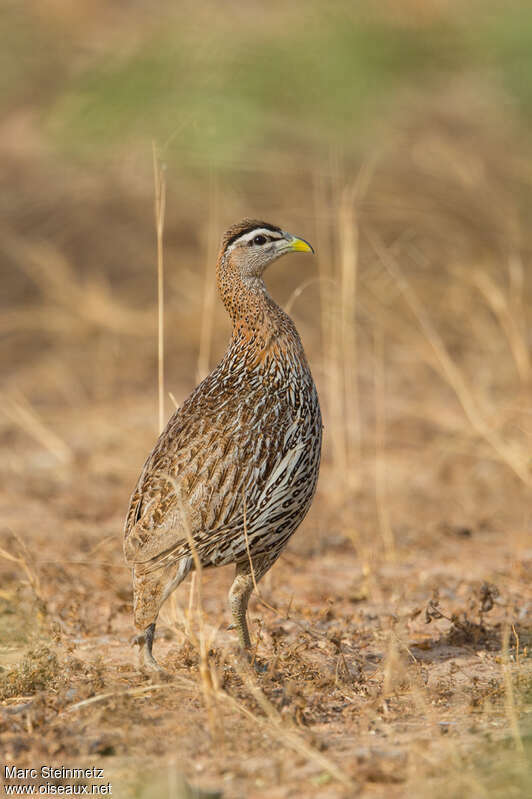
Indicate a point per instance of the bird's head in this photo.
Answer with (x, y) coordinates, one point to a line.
(251, 245)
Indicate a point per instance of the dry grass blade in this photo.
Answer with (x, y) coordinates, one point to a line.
(23, 560)
(509, 696)
(499, 304)
(144, 689)
(175, 403)
(348, 254)
(209, 290)
(297, 292)
(380, 448)
(209, 678)
(160, 209)
(19, 411)
(518, 303)
(244, 505)
(331, 355)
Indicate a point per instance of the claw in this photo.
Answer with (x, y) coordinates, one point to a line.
(148, 662)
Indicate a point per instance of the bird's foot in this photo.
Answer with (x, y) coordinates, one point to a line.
(246, 652)
(147, 662)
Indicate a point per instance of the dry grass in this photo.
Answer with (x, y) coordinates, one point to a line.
(395, 631)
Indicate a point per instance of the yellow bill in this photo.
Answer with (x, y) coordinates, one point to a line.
(299, 245)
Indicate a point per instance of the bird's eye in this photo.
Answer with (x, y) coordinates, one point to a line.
(260, 240)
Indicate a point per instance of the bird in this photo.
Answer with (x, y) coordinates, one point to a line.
(235, 470)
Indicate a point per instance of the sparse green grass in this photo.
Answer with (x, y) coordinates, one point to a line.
(217, 90)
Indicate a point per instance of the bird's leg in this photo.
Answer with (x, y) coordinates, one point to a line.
(149, 592)
(238, 602)
(246, 577)
(145, 642)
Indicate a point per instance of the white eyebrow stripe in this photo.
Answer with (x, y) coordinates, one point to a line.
(247, 237)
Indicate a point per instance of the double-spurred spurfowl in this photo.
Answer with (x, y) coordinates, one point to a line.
(234, 472)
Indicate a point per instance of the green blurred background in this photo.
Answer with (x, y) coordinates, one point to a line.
(221, 85)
